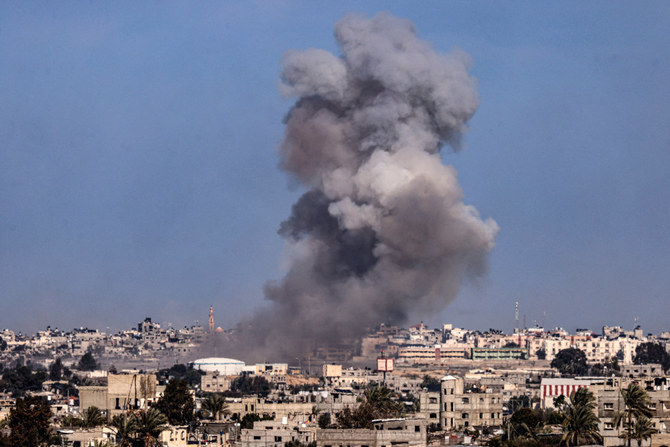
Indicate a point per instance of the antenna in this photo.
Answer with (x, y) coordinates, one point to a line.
(516, 316)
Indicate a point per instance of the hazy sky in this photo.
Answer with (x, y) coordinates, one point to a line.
(138, 157)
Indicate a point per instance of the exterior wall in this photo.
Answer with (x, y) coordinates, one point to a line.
(499, 353)
(429, 407)
(551, 388)
(271, 433)
(651, 370)
(214, 383)
(460, 409)
(293, 411)
(332, 371)
(123, 392)
(610, 402)
(92, 396)
(387, 433)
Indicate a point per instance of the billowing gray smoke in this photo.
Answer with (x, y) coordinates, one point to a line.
(382, 232)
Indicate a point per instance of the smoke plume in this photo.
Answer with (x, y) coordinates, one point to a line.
(382, 232)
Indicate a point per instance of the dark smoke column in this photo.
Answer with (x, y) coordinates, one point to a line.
(382, 232)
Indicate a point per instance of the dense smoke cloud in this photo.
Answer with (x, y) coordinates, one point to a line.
(382, 231)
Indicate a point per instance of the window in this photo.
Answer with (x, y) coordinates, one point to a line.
(609, 426)
(493, 415)
(417, 428)
(452, 406)
(277, 438)
(481, 415)
(257, 437)
(433, 415)
(465, 415)
(465, 400)
(609, 406)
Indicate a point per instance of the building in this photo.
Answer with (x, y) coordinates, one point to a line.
(610, 402)
(386, 433)
(650, 370)
(215, 383)
(277, 433)
(551, 388)
(461, 408)
(123, 392)
(223, 366)
(500, 354)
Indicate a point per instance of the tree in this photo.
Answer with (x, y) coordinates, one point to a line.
(636, 406)
(324, 420)
(246, 385)
(181, 371)
(92, 417)
(29, 422)
(124, 426)
(150, 424)
(641, 430)
(215, 404)
(607, 368)
(177, 403)
(581, 421)
(571, 361)
(21, 379)
(87, 362)
(249, 419)
(517, 402)
(378, 403)
(652, 353)
(431, 384)
(56, 370)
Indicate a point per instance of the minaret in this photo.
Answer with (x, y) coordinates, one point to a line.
(211, 318)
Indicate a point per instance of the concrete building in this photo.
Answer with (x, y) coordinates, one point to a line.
(650, 370)
(223, 366)
(123, 392)
(215, 383)
(429, 406)
(294, 411)
(610, 402)
(552, 388)
(386, 433)
(461, 408)
(500, 354)
(277, 433)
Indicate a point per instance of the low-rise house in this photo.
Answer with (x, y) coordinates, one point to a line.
(386, 433)
(277, 433)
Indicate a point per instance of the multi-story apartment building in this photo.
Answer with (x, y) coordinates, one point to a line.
(461, 408)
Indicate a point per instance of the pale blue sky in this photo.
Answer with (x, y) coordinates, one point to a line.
(138, 157)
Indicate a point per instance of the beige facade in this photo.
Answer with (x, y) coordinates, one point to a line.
(215, 383)
(461, 408)
(275, 433)
(298, 411)
(609, 400)
(123, 392)
(387, 433)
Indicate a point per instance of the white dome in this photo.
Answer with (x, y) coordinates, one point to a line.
(224, 366)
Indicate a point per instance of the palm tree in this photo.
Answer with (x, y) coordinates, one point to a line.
(581, 421)
(125, 427)
(636, 406)
(150, 424)
(92, 417)
(641, 430)
(216, 405)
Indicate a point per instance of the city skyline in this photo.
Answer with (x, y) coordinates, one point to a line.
(140, 149)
